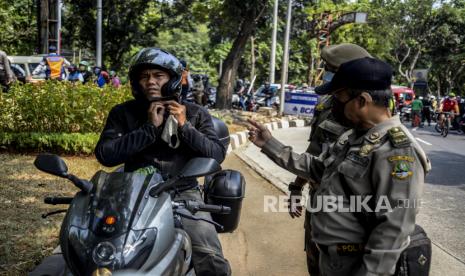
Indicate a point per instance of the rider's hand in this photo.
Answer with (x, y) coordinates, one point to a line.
(155, 113)
(294, 203)
(258, 133)
(178, 110)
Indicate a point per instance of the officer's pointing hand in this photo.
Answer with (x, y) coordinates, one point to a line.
(258, 133)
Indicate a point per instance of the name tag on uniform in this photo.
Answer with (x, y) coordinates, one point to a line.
(357, 158)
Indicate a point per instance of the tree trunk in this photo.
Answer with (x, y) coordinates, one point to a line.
(231, 63)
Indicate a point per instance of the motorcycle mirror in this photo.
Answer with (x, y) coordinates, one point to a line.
(200, 166)
(52, 164)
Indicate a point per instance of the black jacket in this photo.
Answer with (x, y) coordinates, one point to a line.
(129, 138)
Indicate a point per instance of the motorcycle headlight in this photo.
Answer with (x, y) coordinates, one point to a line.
(104, 253)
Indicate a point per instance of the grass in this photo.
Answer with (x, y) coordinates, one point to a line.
(26, 238)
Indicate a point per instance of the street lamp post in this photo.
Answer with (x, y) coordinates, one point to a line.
(273, 41)
(285, 57)
(99, 34)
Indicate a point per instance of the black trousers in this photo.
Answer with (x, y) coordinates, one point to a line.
(207, 254)
(313, 254)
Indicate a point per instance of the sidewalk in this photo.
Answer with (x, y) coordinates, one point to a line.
(443, 263)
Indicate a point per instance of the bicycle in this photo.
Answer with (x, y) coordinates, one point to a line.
(443, 127)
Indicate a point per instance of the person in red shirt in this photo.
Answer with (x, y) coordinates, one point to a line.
(449, 104)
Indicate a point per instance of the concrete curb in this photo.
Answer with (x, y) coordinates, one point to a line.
(239, 139)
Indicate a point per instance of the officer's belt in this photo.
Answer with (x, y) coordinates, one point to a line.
(344, 249)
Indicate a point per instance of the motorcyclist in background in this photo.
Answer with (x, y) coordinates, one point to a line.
(84, 69)
(269, 93)
(240, 90)
(156, 133)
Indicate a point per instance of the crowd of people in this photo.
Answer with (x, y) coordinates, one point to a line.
(55, 67)
(430, 108)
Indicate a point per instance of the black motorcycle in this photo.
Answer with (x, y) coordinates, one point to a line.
(123, 223)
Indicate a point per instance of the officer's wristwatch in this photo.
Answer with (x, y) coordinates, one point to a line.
(292, 187)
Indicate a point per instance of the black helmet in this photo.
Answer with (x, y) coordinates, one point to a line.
(159, 59)
(52, 49)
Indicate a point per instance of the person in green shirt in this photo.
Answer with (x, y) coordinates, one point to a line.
(417, 106)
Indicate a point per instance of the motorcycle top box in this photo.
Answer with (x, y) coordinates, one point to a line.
(226, 188)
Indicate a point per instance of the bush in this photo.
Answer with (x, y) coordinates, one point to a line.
(60, 143)
(56, 116)
(58, 107)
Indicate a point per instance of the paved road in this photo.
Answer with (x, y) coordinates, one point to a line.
(443, 211)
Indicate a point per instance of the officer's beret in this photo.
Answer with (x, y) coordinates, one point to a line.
(335, 55)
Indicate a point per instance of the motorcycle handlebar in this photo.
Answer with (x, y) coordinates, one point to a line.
(195, 206)
(58, 200)
(215, 209)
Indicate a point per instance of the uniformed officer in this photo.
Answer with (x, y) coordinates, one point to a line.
(325, 129)
(377, 160)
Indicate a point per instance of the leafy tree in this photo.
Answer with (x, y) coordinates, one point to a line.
(446, 50)
(233, 20)
(18, 27)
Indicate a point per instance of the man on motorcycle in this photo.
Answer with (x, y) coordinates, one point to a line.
(449, 104)
(158, 133)
(269, 93)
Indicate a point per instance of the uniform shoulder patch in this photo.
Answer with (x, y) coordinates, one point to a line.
(398, 137)
(401, 170)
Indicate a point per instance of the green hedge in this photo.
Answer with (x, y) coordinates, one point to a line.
(58, 107)
(56, 116)
(61, 143)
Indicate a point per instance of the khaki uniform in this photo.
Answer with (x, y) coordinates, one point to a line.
(324, 131)
(385, 162)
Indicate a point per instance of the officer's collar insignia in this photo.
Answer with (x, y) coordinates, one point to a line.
(343, 141)
(365, 149)
(374, 136)
(320, 107)
(401, 170)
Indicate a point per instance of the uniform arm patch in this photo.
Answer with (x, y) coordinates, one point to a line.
(401, 166)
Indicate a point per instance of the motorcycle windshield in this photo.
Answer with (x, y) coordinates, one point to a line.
(117, 199)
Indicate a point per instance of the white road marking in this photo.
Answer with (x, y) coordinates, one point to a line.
(423, 141)
(414, 129)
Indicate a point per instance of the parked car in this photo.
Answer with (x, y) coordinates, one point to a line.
(20, 74)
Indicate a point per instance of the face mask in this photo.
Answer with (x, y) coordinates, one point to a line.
(338, 112)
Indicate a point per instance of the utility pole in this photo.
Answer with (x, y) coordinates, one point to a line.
(285, 57)
(99, 34)
(58, 26)
(273, 41)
